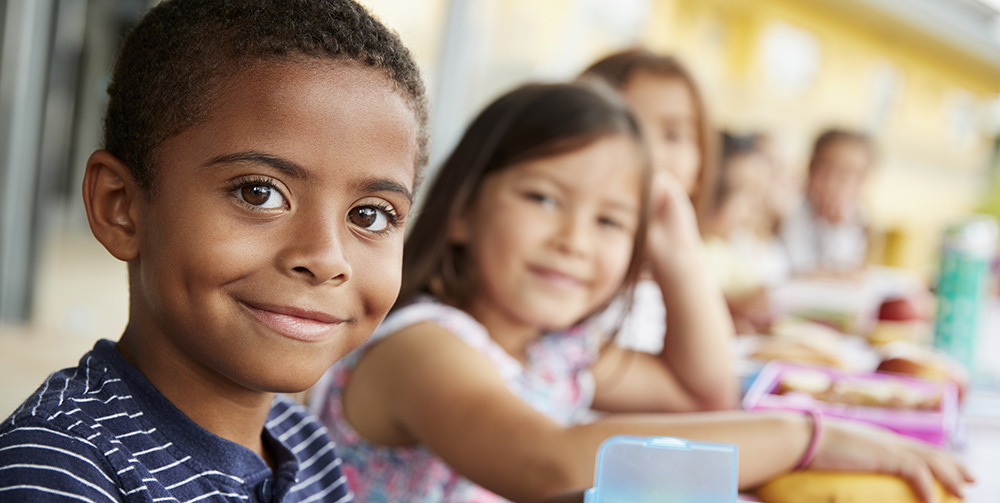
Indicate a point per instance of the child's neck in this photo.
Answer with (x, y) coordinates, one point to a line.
(218, 405)
(510, 334)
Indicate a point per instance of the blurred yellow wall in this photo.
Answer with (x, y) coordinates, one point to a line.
(926, 103)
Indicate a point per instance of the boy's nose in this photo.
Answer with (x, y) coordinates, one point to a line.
(316, 252)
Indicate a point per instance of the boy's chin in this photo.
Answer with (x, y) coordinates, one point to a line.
(289, 386)
(271, 381)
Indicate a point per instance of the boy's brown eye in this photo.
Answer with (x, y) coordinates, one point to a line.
(260, 194)
(363, 217)
(371, 218)
(256, 195)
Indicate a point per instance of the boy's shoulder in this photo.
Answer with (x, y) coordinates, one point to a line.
(89, 433)
(64, 436)
(100, 432)
(72, 398)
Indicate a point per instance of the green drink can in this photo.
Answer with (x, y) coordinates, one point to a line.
(968, 248)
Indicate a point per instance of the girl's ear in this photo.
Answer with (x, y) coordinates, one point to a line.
(112, 201)
(458, 229)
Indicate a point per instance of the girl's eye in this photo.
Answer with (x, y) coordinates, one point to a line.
(371, 218)
(610, 223)
(261, 195)
(544, 200)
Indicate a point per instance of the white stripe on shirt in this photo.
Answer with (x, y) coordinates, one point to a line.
(62, 451)
(64, 472)
(336, 484)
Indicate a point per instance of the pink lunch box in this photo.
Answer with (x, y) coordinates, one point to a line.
(935, 426)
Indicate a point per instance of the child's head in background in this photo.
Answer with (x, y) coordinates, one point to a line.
(669, 106)
(538, 215)
(260, 161)
(838, 167)
(742, 187)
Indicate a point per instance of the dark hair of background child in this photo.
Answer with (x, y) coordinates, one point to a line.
(731, 145)
(531, 122)
(619, 68)
(834, 135)
(171, 65)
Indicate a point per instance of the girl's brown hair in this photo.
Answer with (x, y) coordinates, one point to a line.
(620, 68)
(530, 122)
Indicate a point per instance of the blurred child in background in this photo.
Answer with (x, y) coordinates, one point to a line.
(677, 286)
(784, 188)
(742, 251)
(826, 235)
(474, 387)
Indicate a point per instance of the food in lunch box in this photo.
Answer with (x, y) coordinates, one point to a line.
(801, 342)
(888, 393)
(910, 359)
(830, 487)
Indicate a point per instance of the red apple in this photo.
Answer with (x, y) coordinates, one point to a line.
(899, 309)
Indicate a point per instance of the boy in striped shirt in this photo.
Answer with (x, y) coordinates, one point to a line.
(259, 162)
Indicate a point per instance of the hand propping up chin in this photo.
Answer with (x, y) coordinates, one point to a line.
(673, 237)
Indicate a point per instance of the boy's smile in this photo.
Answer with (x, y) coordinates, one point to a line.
(271, 245)
(296, 323)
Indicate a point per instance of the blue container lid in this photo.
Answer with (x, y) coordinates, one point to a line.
(663, 469)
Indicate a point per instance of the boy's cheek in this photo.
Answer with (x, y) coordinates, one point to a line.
(380, 279)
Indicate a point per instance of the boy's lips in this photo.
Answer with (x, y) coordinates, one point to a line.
(294, 323)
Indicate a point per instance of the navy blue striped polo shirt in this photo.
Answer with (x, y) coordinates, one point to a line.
(101, 432)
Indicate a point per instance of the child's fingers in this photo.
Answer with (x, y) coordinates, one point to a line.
(948, 472)
(920, 478)
(966, 474)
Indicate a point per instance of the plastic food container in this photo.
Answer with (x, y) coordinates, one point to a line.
(663, 469)
(918, 408)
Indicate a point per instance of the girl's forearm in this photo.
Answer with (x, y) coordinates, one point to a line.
(697, 346)
(769, 444)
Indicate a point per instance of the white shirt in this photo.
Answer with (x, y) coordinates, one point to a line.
(813, 243)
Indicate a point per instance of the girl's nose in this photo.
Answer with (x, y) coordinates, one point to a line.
(573, 235)
(315, 252)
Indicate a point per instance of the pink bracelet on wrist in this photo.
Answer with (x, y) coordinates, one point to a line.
(817, 435)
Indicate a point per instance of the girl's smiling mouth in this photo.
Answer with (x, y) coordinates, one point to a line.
(556, 277)
(295, 323)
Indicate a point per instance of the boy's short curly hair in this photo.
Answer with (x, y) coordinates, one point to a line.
(172, 63)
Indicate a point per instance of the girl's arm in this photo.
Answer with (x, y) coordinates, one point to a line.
(424, 385)
(695, 366)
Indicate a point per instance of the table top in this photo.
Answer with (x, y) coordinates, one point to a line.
(981, 455)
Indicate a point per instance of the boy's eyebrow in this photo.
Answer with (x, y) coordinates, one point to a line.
(383, 185)
(285, 166)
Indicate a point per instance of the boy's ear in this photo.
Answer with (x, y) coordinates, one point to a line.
(112, 201)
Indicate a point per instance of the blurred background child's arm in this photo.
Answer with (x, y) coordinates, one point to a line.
(696, 361)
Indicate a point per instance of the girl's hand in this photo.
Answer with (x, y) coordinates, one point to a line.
(673, 226)
(858, 447)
